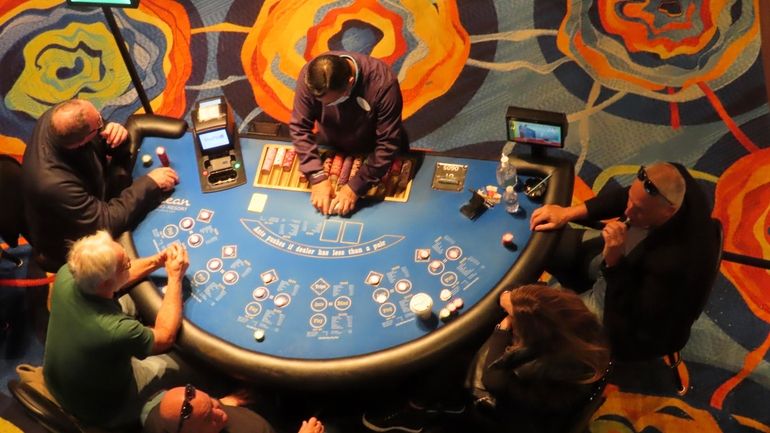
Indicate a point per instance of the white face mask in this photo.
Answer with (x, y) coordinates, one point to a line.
(339, 100)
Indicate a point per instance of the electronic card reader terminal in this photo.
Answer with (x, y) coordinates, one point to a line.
(217, 147)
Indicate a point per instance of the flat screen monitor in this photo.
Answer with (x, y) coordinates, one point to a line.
(536, 127)
(109, 3)
(214, 141)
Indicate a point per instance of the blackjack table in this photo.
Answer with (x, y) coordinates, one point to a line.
(277, 293)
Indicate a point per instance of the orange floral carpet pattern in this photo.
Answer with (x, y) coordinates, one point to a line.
(639, 81)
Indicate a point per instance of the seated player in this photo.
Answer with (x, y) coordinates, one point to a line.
(541, 360)
(190, 410)
(546, 353)
(97, 361)
(644, 272)
(355, 102)
(76, 180)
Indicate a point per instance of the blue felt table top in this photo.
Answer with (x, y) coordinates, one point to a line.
(320, 303)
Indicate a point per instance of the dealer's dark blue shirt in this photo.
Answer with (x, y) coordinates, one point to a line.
(369, 121)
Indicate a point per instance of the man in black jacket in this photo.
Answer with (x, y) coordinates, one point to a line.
(76, 180)
(653, 257)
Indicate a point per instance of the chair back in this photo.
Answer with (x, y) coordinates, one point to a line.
(582, 417)
(715, 227)
(47, 413)
(12, 223)
(31, 392)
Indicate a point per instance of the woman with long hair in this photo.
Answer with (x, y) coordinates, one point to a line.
(547, 352)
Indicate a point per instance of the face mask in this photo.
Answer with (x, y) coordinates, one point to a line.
(339, 100)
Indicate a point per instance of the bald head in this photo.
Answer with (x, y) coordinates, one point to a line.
(655, 196)
(74, 122)
(207, 415)
(669, 181)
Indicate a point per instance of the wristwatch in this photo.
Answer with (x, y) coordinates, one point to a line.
(317, 176)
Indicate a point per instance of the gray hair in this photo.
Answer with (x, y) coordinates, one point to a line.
(69, 121)
(92, 261)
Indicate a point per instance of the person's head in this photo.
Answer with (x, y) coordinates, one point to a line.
(330, 78)
(75, 122)
(655, 195)
(99, 264)
(189, 410)
(553, 321)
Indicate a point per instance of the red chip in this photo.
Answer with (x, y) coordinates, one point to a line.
(507, 239)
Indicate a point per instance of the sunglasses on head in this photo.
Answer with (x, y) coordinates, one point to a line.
(187, 409)
(650, 187)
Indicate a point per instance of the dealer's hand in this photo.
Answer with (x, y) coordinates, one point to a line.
(321, 196)
(344, 202)
(614, 234)
(114, 134)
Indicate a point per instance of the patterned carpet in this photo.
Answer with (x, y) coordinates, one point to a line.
(639, 81)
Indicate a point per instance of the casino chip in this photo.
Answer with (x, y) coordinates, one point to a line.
(507, 241)
(259, 335)
(146, 160)
(445, 294)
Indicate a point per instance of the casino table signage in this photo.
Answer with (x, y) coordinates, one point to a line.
(281, 293)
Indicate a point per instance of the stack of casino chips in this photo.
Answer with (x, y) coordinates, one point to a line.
(340, 168)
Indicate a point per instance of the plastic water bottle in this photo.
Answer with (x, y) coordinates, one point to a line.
(506, 173)
(511, 198)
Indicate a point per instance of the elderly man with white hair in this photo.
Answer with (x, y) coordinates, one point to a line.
(97, 359)
(646, 266)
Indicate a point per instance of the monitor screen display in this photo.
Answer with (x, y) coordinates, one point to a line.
(110, 3)
(213, 140)
(528, 132)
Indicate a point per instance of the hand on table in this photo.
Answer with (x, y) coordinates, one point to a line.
(114, 134)
(548, 217)
(311, 426)
(344, 202)
(321, 196)
(176, 261)
(614, 234)
(165, 177)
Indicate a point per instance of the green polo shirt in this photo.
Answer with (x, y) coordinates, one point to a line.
(88, 351)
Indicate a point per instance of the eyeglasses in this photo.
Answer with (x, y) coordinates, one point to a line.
(98, 128)
(187, 409)
(650, 187)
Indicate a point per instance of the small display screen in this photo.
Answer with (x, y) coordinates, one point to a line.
(213, 140)
(539, 134)
(110, 3)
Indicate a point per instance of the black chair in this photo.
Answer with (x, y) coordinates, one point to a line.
(12, 216)
(487, 417)
(674, 360)
(30, 391)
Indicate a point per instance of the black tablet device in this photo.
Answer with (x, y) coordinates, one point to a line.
(536, 128)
